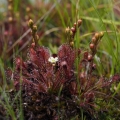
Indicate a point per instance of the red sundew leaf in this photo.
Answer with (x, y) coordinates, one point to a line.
(29, 84)
(9, 75)
(43, 53)
(64, 68)
(66, 53)
(32, 51)
(19, 63)
(6, 25)
(42, 88)
(86, 55)
(43, 78)
(33, 55)
(100, 83)
(48, 77)
(35, 74)
(113, 79)
(16, 84)
(58, 80)
(63, 51)
(116, 78)
(40, 57)
(66, 57)
(73, 88)
(83, 80)
(8, 72)
(57, 84)
(89, 96)
(78, 52)
(91, 83)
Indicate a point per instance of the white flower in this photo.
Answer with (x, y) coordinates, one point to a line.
(53, 60)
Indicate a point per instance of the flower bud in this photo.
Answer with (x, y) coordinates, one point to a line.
(37, 37)
(96, 35)
(71, 43)
(30, 23)
(94, 66)
(67, 30)
(10, 7)
(92, 46)
(82, 75)
(10, 19)
(34, 28)
(73, 29)
(28, 9)
(94, 40)
(71, 33)
(90, 57)
(75, 24)
(85, 55)
(63, 64)
(101, 34)
(10, 0)
(79, 22)
(33, 44)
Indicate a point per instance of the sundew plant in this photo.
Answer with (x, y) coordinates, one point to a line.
(60, 61)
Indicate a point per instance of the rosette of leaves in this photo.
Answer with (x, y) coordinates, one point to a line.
(45, 85)
(59, 86)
